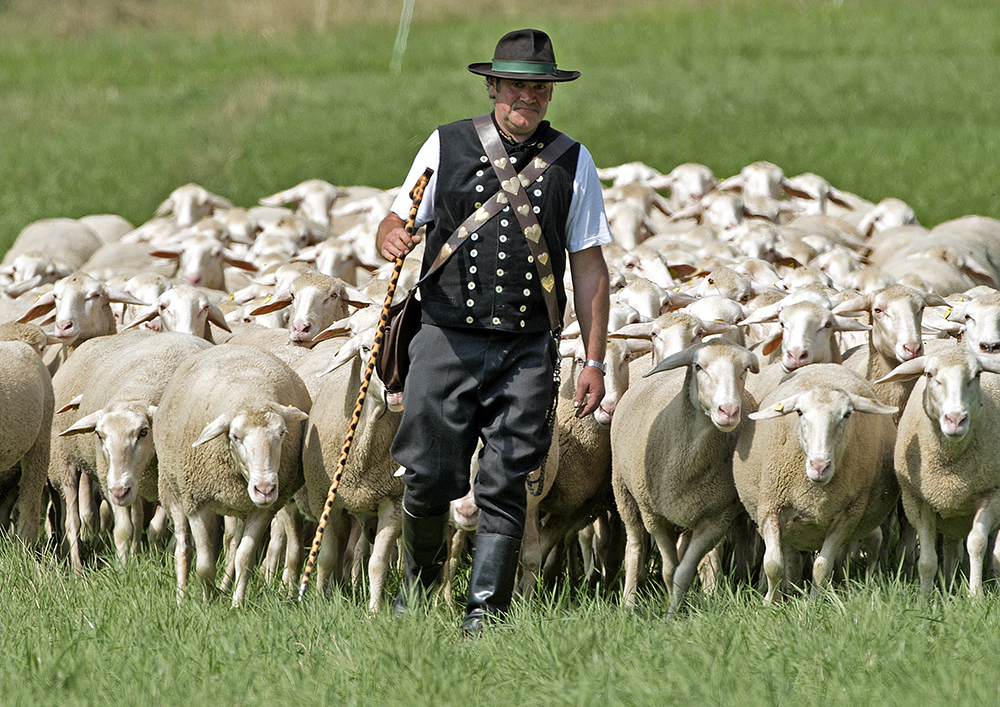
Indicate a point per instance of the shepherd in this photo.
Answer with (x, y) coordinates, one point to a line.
(510, 203)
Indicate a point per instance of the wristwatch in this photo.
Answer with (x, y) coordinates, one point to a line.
(599, 365)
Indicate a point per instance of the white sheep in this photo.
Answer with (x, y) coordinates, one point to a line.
(183, 309)
(945, 454)
(313, 200)
(821, 479)
(26, 406)
(190, 203)
(202, 260)
(228, 437)
(63, 239)
(116, 401)
(672, 452)
(317, 301)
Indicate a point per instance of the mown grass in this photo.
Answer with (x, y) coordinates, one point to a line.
(893, 98)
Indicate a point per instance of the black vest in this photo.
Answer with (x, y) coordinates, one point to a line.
(491, 281)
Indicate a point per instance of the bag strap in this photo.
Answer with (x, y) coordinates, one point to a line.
(496, 203)
(513, 188)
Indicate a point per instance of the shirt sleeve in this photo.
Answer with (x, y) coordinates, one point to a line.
(586, 223)
(428, 156)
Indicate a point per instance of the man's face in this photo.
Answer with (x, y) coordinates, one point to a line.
(521, 105)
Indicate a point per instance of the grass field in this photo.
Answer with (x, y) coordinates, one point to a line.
(106, 106)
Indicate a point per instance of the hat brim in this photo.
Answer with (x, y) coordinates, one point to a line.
(486, 69)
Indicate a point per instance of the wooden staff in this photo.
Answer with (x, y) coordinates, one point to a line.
(416, 194)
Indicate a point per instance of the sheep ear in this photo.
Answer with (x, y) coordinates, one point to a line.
(216, 317)
(863, 404)
(43, 305)
(932, 299)
(772, 342)
(73, 404)
(231, 259)
(639, 330)
(762, 315)
(274, 303)
(213, 429)
(677, 360)
(855, 304)
(349, 350)
(848, 324)
(905, 371)
(293, 414)
(168, 254)
(115, 295)
(989, 364)
(780, 408)
(85, 424)
(144, 315)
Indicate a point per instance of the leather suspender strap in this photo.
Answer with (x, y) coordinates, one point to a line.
(513, 189)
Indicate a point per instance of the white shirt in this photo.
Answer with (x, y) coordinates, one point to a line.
(586, 222)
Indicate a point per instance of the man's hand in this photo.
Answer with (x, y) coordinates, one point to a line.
(392, 240)
(589, 391)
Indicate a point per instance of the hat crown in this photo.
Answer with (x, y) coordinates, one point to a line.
(525, 45)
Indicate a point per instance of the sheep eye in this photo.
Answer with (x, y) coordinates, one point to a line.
(877, 311)
(698, 368)
(144, 431)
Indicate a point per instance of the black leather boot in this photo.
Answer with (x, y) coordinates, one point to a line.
(491, 580)
(424, 552)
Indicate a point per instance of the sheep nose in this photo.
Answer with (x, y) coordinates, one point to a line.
(729, 412)
(912, 349)
(955, 420)
(64, 326)
(796, 358)
(120, 494)
(193, 280)
(264, 493)
(989, 347)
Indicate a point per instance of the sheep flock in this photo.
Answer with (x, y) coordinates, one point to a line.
(186, 385)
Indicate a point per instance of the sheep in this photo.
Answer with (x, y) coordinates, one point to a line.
(687, 183)
(672, 447)
(369, 488)
(201, 261)
(116, 402)
(124, 259)
(26, 408)
(184, 309)
(64, 239)
(822, 479)
(190, 203)
(317, 300)
(582, 486)
(945, 454)
(313, 200)
(896, 312)
(109, 227)
(31, 269)
(228, 437)
(82, 307)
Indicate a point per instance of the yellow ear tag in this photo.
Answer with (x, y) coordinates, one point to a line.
(948, 313)
(778, 407)
(232, 296)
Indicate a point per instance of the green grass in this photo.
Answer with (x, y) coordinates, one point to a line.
(895, 98)
(118, 637)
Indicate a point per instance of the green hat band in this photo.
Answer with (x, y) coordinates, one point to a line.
(524, 67)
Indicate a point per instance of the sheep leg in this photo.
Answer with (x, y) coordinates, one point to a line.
(703, 538)
(201, 523)
(256, 524)
(70, 493)
(588, 537)
(389, 529)
(89, 518)
(774, 562)
(636, 542)
(34, 469)
(666, 541)
(182, 554)
(826, 559)
(927, 564)
(976, 543)
(294, 540)
(329, 549)
(123, 531)
(235, 528)
(275, 546)
(531, 553)
(455, 549)
(157, 531)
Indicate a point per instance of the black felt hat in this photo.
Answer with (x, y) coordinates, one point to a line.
(524, 55)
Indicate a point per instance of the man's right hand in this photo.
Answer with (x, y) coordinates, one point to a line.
(392, 240)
